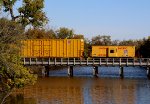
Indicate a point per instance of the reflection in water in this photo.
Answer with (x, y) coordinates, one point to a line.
(85, 90)
(114, 92)
(64, 90)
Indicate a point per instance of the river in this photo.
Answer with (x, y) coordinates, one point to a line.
(83, 88)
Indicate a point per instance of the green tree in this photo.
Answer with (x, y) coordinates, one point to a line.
(0, 5)
(30, 13)
(40, 34)
(63, 33)
(87, 48)
(12, 73)
(127, 43)
(115, 42)
(78, 36)
(145, 48)
(101, 40)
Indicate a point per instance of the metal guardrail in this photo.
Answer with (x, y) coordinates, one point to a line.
(88, 62)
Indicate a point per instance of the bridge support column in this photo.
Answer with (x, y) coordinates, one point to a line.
(46, 71)
(121, 72)
(70, 71)
(148, 72)
(95, 71)
(43, 71)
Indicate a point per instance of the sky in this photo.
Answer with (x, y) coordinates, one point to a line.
(121, 19)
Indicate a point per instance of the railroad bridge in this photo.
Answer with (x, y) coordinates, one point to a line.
(95, 62)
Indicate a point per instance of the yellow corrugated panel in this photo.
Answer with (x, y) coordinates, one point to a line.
(26, 50)
(52, 48)
(113, 51)
(36, 48)
(46, 48)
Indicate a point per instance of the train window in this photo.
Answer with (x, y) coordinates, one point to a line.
(111, 51)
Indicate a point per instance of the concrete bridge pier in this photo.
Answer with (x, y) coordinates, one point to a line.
(46, 71)
(148, 72)
(70, 71)
(95, 71)
(121, 72)
(43, 71)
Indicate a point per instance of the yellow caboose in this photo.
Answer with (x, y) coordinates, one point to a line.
(113, 51)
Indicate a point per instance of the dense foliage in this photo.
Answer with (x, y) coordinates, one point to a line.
(12, 73)
(61, 33)
(145, 48)
(40, 34)
(101, 40)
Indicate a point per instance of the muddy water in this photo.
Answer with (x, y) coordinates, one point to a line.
(85, 89)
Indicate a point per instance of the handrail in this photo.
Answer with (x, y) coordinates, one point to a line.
(87, 62)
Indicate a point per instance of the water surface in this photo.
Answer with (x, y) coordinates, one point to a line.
(83, 88)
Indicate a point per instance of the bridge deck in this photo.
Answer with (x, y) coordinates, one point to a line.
(88, 62)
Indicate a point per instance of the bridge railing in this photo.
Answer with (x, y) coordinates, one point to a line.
(88, 61)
